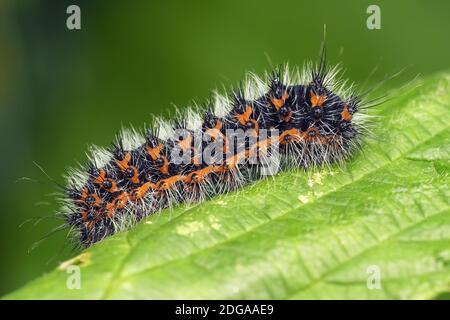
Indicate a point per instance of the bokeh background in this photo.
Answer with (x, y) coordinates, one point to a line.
(62, 90)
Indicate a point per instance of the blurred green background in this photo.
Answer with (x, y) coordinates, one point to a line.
(62, 90)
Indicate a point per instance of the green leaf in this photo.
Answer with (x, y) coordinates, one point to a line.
(300, 234)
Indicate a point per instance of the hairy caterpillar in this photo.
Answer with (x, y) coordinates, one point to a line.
(288, 119)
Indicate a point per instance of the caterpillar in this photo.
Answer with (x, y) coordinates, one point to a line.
(289, 118)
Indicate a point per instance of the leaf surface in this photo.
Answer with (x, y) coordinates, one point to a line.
(299, 235)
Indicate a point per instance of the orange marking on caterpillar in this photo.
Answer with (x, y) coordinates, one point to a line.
(254, 149)
(185, 144)
(317, 137)
(165, 167)
(166, 184)
(97, 201)
(90, 224)
(123, 164)
(288, 117)
(317, 100)
(256, 127)
(154, 152)
(234, 160)
(307, 134)
(84, 194)
(345, 114)
(135, 177)
(265, 143)
(200, 175)
(141, 191)
(289, 136)
(114, 187)
(244, 117)
(101, 177)
(119, 202)
(278, 103)
(215, 132)
(83, 215)
(197, 157)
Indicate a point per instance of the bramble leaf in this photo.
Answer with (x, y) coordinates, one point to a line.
(331, 233)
